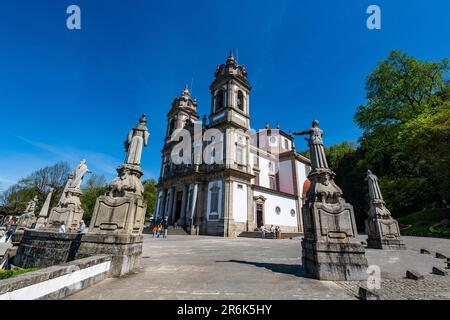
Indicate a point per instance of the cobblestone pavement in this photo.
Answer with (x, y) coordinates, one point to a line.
(433, 287)
(188, 267)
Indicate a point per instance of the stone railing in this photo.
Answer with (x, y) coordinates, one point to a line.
(58, 281)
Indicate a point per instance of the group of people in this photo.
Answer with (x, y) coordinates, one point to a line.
(162, 226)
(82, 229)
(275, 231)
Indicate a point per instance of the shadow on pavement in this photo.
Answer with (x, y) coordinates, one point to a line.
(292, 269)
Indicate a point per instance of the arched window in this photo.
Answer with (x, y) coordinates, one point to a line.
(240, 100)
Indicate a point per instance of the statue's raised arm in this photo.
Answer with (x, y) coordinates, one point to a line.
(315, 143)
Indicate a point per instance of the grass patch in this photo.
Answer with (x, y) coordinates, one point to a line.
(427, 222)
(5, 274)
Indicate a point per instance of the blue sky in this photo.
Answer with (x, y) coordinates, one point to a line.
(68, 95)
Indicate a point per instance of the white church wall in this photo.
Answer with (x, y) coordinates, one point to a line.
(264, 173)
(286, 204)
(286, 177)
(239, 202)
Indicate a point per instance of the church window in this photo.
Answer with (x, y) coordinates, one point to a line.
(239, 155)
(240, 100)
(292, 212)
(219, 100)
(256, 173)
(215, 200)
(273, 183)
(286, 144)
(240, 186)
(277, 210)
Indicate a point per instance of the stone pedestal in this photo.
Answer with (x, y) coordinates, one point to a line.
(117, 222)
(126, 251)
(330, 248)
(382, 230)
(118, 216)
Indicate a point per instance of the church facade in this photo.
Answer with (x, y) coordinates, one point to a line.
(219, 177)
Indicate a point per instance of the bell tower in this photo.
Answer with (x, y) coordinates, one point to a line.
(230, 93)
(182, 114)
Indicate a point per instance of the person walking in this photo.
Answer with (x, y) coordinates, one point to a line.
(155, 230)
(62, 228)
(166, 228)
(158, 233)
(263, 232)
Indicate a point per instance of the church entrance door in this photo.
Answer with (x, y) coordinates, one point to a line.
(178, 199)
(259, 215)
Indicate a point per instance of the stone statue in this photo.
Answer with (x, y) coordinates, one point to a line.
(382, 230)
(27, 219)
(126, 182)
(31, 207)
(315, 143)
(118, 216)
(80, 172)
(137, 139)
(330, 247)
(374, 188)
(69, 210)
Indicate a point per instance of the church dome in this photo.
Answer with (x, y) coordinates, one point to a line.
(185, 101)
(231, 67)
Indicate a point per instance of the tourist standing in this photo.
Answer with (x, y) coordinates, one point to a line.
(8, 234)
(82, 228)
(263, 232)
(62, 228)
(272, 231)
(166, 228)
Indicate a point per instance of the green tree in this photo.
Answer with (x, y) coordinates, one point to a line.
(38, 183)
(94, 187)
(405, 122)
(150, 196)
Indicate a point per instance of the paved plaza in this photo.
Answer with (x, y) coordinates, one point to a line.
(189, 267)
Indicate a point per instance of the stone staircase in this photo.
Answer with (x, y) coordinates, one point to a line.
(171, 232)
(257, 234)
(177, 232)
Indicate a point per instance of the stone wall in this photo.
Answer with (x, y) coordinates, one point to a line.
(56, 282)
(40, 249)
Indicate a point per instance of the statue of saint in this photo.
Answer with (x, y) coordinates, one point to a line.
(137, 139)
(374, 188)
(315, 143)
(31, 206)
(80, 172)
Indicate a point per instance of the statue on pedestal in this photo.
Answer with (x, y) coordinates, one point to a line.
(69, 208)
(28, 217)
(118, 216)
(382, 230)
(126, 188)
(330, 248)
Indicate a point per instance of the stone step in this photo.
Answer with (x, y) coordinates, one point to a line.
(257, 234)
(171, 231)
